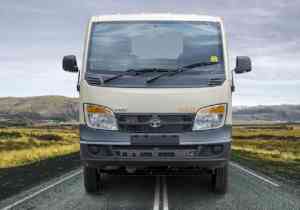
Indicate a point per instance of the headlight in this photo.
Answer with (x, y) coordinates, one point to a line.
(210, 117)
(100, 117)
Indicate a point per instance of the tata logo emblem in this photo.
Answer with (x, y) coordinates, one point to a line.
(155, 122)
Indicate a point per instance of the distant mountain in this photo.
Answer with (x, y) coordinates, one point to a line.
(53, 109)
(38, 109)
(279, 113)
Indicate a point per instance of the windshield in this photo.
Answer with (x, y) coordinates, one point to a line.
(121, 46)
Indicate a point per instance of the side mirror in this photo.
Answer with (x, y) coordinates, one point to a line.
(243, 64)
(69, 63)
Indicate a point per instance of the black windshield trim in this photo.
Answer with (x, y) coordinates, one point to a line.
(148, 21)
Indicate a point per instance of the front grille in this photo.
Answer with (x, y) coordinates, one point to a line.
(160, 151)
(154, 147)
(169, 123)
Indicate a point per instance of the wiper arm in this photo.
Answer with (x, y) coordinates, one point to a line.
(135, 72)
(159, 76)
(192, 66)
(180, 70)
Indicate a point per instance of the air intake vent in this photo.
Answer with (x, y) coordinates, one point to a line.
(93, 79)
(215, 81)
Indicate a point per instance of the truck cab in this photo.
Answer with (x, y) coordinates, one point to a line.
(155, 97)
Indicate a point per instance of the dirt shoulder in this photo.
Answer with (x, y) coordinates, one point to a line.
(17, 179)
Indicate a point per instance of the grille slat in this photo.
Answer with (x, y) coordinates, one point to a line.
(169, 123)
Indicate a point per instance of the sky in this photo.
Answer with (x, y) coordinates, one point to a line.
(35, 35)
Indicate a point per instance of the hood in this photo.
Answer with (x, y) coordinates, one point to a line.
(155, 100)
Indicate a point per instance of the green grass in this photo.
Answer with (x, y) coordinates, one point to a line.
(20, 146)
(275, 132)
(275, 152)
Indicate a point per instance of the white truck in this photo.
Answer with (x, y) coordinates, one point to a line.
(155, 97)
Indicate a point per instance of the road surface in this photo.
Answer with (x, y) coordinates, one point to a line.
(247, 190)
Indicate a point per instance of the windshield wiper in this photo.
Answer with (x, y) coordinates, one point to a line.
(134, 72)
(180, 70)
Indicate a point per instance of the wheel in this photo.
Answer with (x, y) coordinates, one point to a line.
(220, 180)
(91, 179)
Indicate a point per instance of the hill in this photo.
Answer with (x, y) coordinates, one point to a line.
(38, 109)
(277, 113)
(53, 109)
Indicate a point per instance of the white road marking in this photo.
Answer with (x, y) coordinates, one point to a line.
(254, 174)
(165, 195)
(156, 204)
(157, 194)
(77, 172)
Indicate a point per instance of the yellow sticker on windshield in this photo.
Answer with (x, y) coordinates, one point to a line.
(214, 59)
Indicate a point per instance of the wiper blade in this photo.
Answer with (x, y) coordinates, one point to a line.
(180, 70)
(194, 65)
(134, 72)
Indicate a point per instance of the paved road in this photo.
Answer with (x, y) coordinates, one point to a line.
(246, 191)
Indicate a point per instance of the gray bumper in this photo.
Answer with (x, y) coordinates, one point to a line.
(129, 143)
(102, 137)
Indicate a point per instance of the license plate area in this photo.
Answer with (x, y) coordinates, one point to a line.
(154, 139)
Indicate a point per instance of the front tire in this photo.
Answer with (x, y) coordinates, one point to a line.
(220, 180)
(91, 179)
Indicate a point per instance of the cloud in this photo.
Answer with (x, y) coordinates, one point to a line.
(267, 92)
(38, 33)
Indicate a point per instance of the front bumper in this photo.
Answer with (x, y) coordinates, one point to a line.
(161, 149)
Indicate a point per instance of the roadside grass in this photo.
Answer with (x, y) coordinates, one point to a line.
(274, 152)
(282, 170)
(289, 132)
(21, 146)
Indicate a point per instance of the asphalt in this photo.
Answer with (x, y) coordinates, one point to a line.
(246, 191)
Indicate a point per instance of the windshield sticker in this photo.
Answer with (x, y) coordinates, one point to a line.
(214, 59)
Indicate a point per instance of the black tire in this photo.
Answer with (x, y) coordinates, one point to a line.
(220, 180)
(91, 179)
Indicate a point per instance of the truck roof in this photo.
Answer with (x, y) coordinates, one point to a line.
(154, 17)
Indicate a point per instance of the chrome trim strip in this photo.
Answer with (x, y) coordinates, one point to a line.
(105, 142)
